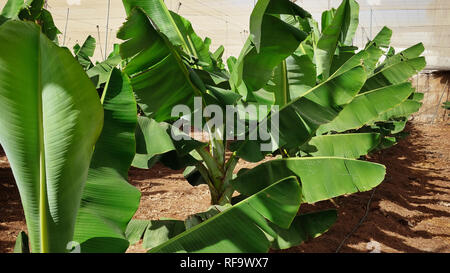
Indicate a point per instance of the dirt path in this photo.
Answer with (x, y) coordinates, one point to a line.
(409, 212)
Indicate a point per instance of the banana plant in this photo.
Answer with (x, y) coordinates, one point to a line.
(69, 149)
(155, 50)
(387, 99)
(322, 91)
(384, 102)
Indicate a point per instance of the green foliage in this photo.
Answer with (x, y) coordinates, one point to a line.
(109, 201)
(85, 52)
(31, 10)
(22, 243)
(160, 78)
(336, 104)
(49, 139)
(50, 120)
(446, 105)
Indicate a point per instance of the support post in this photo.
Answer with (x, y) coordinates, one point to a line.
(106, 32)
(371, 23)
(65, 28)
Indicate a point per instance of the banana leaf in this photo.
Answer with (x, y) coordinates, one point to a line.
(135, 230)
(345, 145)
(160, 78)
(321, 178)
(304, 227)
(84, 52)
(397, 69)
(341, 29)
(109, 201)
(22, 243)
(50, 119)
(165, 143)
(176, 28)
(405, 109)
(291, 79)
(244, 227)
(99, 74)
(300, 118)
(272, 40)
(367, 107)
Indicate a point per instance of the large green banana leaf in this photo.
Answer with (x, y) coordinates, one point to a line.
(370, 55)
(50, 119)
(198, 48)
(160, 15)
(295, 76)
(48, 26)
(276, 8)
(367, 107)
(155, 142)
(349, 24)
(374, 48)
(160, 231)
(300, 118)
(135, 230)
(397, 69)
(109, 201)
(303, 227)
(287, 88)
(405, 109)
(345, 145)
(99, 74)
(321, 178)
(327, 18)
(177, 29)
(272, 40)
(152, 140)
(159, 77)
(341, 29)
(362, 111)
(244, 227)
(291, 79)
(156, 232)
(84, 52)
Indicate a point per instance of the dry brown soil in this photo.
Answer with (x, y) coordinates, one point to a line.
(409, 211)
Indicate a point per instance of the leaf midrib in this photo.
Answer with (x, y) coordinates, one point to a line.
(43, 229)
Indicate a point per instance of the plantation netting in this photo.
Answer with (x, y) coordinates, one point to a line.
(226, 22)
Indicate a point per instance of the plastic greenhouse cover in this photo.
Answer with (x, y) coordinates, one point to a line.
(226, 22)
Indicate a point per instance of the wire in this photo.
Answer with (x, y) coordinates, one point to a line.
(219, 12)
(359, 223)
(106, 31)
(99, 42)
(212, 16)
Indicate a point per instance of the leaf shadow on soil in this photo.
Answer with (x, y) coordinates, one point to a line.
(406, 208)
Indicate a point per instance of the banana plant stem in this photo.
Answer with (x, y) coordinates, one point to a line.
(227, 189)
(204, 173)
